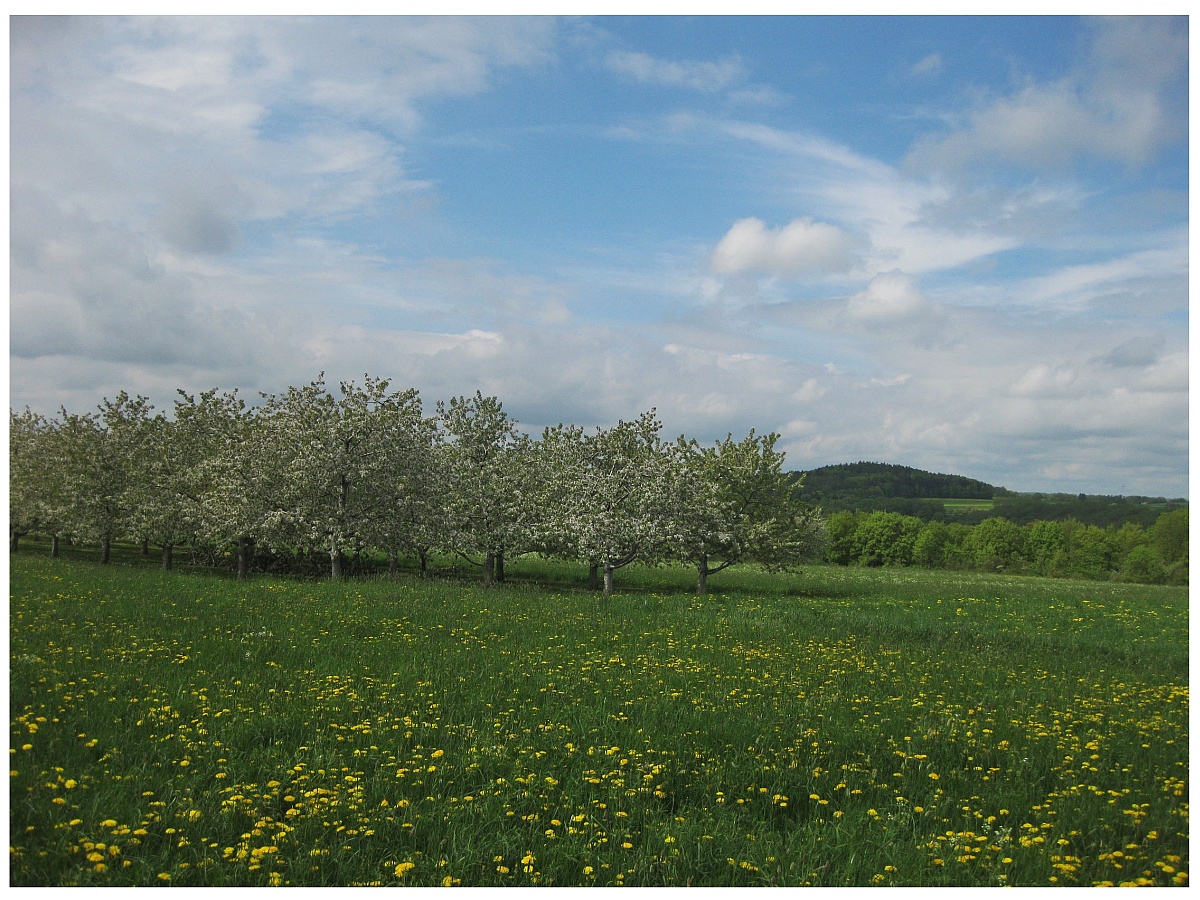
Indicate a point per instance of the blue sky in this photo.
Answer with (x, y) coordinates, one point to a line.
(954, 243)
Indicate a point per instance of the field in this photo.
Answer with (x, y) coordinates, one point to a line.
(833, 727)
(954, 506)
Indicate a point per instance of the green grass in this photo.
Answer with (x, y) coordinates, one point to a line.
(968, 505)
(834, 727)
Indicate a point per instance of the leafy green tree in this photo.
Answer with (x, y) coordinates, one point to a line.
(1090, 551)
(996, 543)
(1127, 536)
(887, 539)
(841, 537)
(1144, 565)
(1045, 546)
(929, 549)
(1169, 535)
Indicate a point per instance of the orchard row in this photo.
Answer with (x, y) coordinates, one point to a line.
(367, 471)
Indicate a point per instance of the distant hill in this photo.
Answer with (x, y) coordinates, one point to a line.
(874, 487)
(871, 479)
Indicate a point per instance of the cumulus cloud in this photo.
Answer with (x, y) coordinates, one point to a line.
(800, 247)
(888, 297)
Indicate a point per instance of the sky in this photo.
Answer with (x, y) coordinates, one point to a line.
(959, 244)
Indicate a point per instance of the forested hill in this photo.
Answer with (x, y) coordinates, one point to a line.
(879, 487)
(882, 481)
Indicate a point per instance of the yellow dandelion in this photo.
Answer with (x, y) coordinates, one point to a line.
(404, 868)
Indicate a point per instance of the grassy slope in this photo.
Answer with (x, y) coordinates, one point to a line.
(840, 726)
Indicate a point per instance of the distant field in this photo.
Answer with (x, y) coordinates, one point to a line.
(961, 506)
(834, 727)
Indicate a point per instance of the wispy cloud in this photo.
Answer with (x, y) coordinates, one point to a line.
(1110, 108)
(696, 75)
(927, 66)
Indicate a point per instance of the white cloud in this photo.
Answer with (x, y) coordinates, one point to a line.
(176, 184)
(698, 75)
(801, 246)
(1113, 107)
(1043, 380)
(888, 212)
(928, 65)
(889, 296)
(1078, 286)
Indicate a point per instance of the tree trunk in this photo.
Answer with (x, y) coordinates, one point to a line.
(167, 555)
(54, 546)
(423, 562)
(145, 546)
(702, 576)
(14, 540)
(608, 579)
(594, 577)
(243, 558)
(489, 569)
(335, 562)
(391, 564)
(105, 550)
(499, 567)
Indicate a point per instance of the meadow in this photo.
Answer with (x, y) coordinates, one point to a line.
(831, 727)
(957, 506)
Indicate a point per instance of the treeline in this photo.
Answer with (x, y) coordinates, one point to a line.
(1129, 552)
(366, 474)
(1090, 509)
